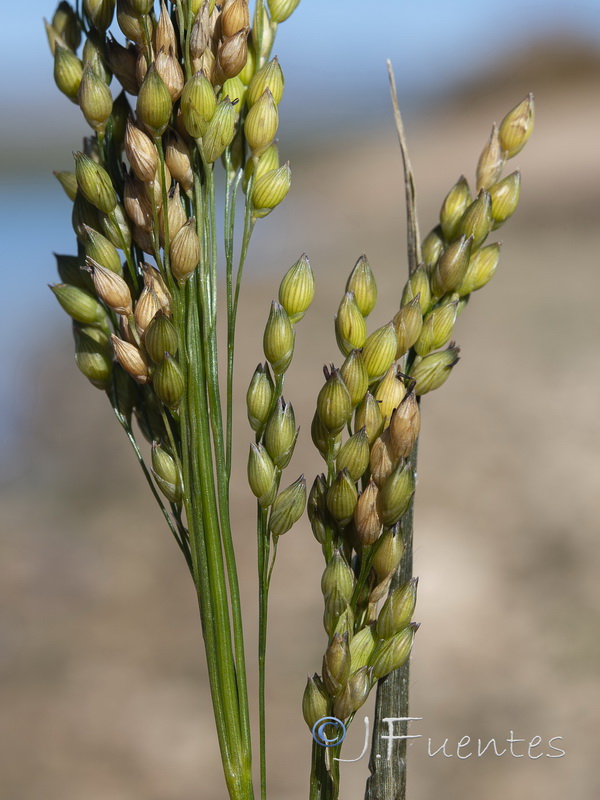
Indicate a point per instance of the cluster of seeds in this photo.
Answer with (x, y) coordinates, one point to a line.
(203, 89)
(357, 508)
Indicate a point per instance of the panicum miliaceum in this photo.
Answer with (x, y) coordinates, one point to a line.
(142, 294)
(196, 85)
(360, 510)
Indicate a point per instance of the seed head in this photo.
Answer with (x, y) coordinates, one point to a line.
(354, 694)
(232, 55)
(269, 76)
(259, 397)
(491, 161)
(393, 653)
(101, 250)
(164, 37)
(131, 359)
(161, 335)
(336, 664)
(68, 71)
(517, 127)
(100, 12)
(297, 289)
(368, 416)
(456, 202)
(338, 575)
(288, 507)
(93, 355)
(80, 305)
(362, 283)
(110, 288)
(366, 516)
(168, 381)
(66, 25)
(437, 328)
(362, 647)
(68, 181)
(477, 219)
(175, 214)
(341, 498)
(505, 197)
(234, 16)
(280, 434)
(418, 286)
(405, 426)
(185, 252)
(379, 351)
(317, 509)
(141, 152)
(220, 131)
(451, 267)
(95, 184)
(261, 475)
(115, 227)
(130, 23)
(121, 61)
(333, 403)
(278, 339)
(389, 393)
(169, 69)
(389, 552)
(354, 455)
(355, 376)
(322, 439)
(315, 701)
(407, 324)
(261, 123)
(350, 325)
(270, 189)
(397, 610)
(280, 10)
(154, 103)
(434, 370)
(481, 269)
(382, 460)
(432, 245)
(146, 308)
(166, 474)
(198, 105)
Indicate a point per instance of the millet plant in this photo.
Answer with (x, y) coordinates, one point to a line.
(198, 102)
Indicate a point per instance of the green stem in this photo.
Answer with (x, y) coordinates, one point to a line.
(207, 297)
(325, 773)
(263, 542)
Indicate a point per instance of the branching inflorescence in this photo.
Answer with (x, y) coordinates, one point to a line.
(142, 294)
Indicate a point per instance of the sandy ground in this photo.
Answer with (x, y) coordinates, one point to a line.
(104, 691)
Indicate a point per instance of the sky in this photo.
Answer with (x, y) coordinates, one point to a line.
(333, 54)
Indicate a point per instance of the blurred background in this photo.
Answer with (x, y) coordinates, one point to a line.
(103, 682)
